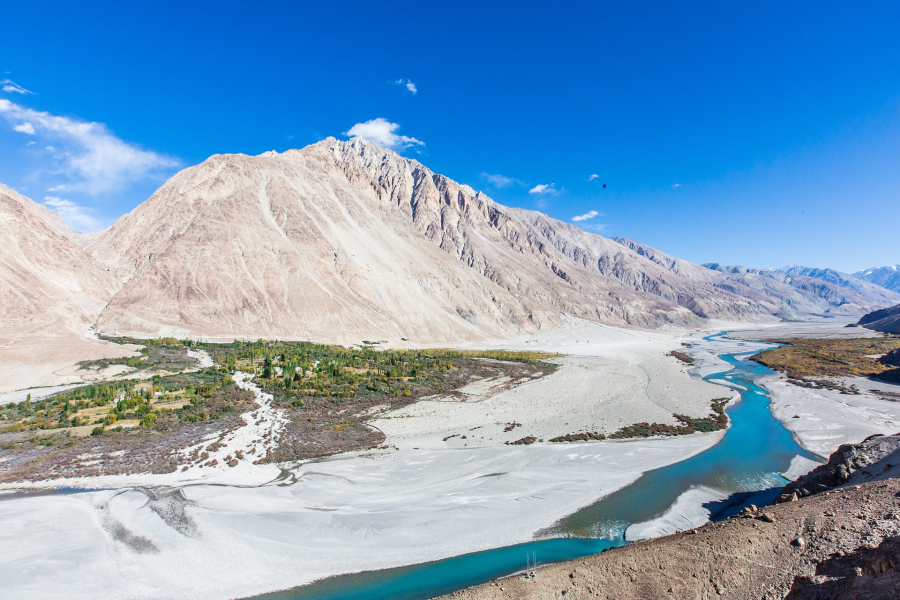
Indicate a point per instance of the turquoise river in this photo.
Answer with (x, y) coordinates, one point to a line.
(745, 465)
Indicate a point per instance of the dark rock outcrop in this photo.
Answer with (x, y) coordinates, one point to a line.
(875, 457)
(886, 320)
(891, 359)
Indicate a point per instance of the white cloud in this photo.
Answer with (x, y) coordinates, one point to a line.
(676, 185)
(25, 127)
(588, 215)
(12, 87)
(381, 131)
(543, 188)
(409, 85)
(74, 215)
(593, 177)
(499, 181)
(59, 188)
(594, 227)
(96, 159)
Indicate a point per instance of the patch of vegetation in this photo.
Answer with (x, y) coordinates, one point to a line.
(165, 354)
(718, 420)
(682, 357)
(806, 362)
(191, 397)
(327, 391)
(687, 425)
(525, 441)
(579, 437)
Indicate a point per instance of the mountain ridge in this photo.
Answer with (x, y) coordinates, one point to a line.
(344, 240)
(513, 270)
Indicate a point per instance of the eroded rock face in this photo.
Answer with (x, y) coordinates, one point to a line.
(862, 574)
(873, 458)
(344, 241)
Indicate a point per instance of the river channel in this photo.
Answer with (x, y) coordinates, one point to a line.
(744, 466)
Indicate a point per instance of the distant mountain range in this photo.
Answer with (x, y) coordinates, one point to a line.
(343, 241)
(886, 277)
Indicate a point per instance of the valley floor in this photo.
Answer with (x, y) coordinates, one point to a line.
(229, 532)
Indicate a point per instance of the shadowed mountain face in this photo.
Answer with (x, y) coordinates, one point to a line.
(886, 277)
(886, 320)
(345, 241)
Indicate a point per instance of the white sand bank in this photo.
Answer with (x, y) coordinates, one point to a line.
(826, 419)
(610, 378)
(342, 514)
(687, 512)
(28, 361)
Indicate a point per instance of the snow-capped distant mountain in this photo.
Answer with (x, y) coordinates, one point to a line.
(886, 277)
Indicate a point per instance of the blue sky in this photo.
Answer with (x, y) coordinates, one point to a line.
(755, 134)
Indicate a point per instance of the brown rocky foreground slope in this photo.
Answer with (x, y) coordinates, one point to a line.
(840, 544)
(830, 543)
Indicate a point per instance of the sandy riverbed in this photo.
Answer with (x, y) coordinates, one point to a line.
(224, 533)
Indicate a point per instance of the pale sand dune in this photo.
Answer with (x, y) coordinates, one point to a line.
(343, 514)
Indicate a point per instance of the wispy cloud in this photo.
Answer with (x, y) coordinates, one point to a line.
(75, 216)
(593, 227)
(11, 87)
(593, 177)
(543, 188)
(588, 215)
(409, 85)
(676, 185)
(499, 181)
(25, 127)
(95, 159)
(59, 188)
(381, 131)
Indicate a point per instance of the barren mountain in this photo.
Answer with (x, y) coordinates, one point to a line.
(45, 279)
(345, 241)
(886, 277)
(783, 295)
(801, 294)
(51, 291)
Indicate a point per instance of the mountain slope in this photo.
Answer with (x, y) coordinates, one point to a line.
(858, 286)
(345, 241)
(51, 291)
(886, 277)
(788, 296)
(46, 280)
(886, 320)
